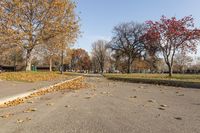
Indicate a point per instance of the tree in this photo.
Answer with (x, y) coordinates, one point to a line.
(32, 22)
(57, 46)
(80, 60)
(151, 56)
(99, 53)
(172, 36)
(195, 68)
(11, 55)
(49, 52)
(182, 62)
(126, 41)
(140, 65)
(116, 60)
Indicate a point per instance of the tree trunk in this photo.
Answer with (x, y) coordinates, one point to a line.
(102, 69)
(50, 64)
(15, 62)
(170, 68)
(28, 60)
(62, 58)
(129, 66)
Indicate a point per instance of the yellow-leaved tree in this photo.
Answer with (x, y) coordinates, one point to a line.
(30, 23)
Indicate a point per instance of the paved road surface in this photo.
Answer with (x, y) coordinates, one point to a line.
(108, 107)
(9, 88)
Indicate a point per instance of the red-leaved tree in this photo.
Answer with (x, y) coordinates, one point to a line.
(171, 35)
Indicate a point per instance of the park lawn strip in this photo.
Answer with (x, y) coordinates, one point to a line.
(177, 80)
(32, 76)
(179, 77)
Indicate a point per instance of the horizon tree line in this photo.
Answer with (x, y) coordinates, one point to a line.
(45, 31)
(147, 41)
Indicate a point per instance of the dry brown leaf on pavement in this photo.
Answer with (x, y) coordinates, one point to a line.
(28, 119)
(30, 110)
(161, 108)
(50, 104)
(178, 118)
(30, 102)
(7, 115)
(67, 106)
(133, 96)
(88, 97)
(20, 121)
(151, 101)
(163, 105)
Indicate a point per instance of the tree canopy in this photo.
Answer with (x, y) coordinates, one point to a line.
(32, 22)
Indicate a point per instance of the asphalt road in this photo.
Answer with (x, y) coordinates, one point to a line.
(108, 107)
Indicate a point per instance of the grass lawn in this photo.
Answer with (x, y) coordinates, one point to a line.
(176, 77)
(32, 76)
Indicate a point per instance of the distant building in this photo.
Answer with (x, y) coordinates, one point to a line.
(7, 68)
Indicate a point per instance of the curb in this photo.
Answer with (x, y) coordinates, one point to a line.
(22, 95)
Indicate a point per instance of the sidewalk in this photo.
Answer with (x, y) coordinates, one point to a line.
(9, 88)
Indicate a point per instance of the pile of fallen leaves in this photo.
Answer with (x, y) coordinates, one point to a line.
(75, 84)
(30, 76)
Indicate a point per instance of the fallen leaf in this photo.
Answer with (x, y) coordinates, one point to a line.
(161, 108)
(163, 105)
(67, 106)
(6, 115)
(133, 96)
(20, 121)
(28, 119)
(88, 97)
(30, 102)
(105, 92)
(50, 104)
(30, 110)
(178, 118)
(151, 101)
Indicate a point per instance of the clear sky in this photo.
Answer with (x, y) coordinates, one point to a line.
(98, 17)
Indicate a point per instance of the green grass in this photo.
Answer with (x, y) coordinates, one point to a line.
(175, 77)
(178, 80)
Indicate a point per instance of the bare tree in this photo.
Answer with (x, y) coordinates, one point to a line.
(126, 41)
(182, 62)
(99, 53)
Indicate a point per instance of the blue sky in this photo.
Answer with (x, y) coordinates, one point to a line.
(98, 17)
